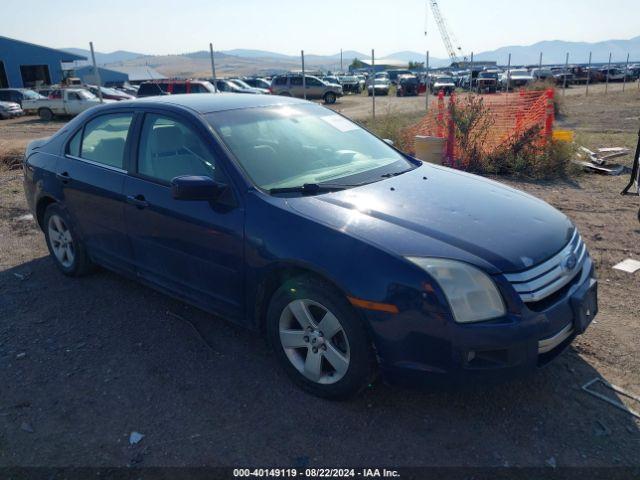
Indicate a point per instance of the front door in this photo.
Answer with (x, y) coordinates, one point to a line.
(193, 248)
(92, 174)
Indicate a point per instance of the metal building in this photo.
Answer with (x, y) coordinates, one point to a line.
(24, 65)
(107, 76)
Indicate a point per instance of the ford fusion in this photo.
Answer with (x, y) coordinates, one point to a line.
(353, 259)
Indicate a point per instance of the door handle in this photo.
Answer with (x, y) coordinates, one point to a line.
(137, 200)
(64, 177)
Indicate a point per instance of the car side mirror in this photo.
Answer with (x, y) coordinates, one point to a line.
(192, 187)
(388, 141)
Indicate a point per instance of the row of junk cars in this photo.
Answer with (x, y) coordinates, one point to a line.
(73, 97)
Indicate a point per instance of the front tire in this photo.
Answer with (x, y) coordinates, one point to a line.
(45, 114)
(319, 340)
(64, 243)
(329, 98)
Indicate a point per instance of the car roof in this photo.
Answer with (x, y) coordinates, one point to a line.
(214, 102)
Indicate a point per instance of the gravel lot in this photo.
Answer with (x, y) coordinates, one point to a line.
(85, 362)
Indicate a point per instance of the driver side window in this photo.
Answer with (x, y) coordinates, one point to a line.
(169, 149)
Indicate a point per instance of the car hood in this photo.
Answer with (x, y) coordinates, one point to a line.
(441, 212)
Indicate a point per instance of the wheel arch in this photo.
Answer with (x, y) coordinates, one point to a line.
(278, 275)
(41, 207)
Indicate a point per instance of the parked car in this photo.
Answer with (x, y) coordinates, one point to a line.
(381, 86)
(486, 82)
(442, 84)
(17, 95)
(257, 82)
(542, 74)
(614, 74)
(332, 79)
(248, 88)
(109, 93)
(516, 78)
(65, 102)
(291, 86)
(395, 73)
(337, 246)
(408, 86)
(10, 110)
(562, 77)
(167, 87)
(351, 84)
(580, 75)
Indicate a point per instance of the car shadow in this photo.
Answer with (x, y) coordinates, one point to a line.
(88, 360)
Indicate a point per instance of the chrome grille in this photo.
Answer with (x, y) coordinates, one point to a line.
(548, 277)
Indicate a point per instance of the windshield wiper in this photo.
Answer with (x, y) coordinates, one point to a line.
(395, 174)
(311, 188)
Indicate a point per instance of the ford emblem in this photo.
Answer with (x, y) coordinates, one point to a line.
(569, 263)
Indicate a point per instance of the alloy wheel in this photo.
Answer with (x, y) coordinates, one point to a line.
(314, 341)
(61, 241)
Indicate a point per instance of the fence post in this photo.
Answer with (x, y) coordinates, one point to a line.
(588, 74)
(626, 72)
(548, 124)
(440, 117)
(471, 74)
(508, 73)
(373, 82)
(213, 68)
(540, 62)
(564, 77)
(606, 87)
(427, 83)
(96, 72)
(451, 134)
(304, 77)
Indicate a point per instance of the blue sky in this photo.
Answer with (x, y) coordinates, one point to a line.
(321, 26)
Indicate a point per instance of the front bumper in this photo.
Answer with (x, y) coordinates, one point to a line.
(420, 347)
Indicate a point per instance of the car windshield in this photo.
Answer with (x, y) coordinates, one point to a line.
(293, 145)
(444, 80)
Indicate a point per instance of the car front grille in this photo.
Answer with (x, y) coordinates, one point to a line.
(550, 276)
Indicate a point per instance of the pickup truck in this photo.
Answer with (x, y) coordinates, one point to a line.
(67, 101)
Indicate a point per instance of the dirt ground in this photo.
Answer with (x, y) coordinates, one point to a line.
(85, 362)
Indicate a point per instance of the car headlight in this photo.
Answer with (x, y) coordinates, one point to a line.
(472, 295)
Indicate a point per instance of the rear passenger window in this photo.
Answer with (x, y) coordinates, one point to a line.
(280, 81)
(104, 139)
(179, 88)
(296, 81)
(169, 149)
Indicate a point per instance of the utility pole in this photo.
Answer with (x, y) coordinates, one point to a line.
(96, 72)
(509, 73)
(213, 68)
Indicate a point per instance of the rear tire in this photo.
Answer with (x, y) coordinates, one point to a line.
(319, 340)
(330, 98)
(64, 243)
(45, 114)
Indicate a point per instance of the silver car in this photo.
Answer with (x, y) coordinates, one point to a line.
(292, 86)
(10, 110)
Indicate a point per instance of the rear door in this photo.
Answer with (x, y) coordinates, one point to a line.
(192, 248)
(92, 174)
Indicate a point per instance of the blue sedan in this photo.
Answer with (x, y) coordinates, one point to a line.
(353, 259)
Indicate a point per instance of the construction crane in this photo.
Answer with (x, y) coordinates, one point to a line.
(444, 31)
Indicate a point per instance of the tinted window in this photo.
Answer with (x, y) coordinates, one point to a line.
(169, 149)
(104, 139)
(179, 88)
(314, 82)
(296, 81)
(4, 96)
(280, 81)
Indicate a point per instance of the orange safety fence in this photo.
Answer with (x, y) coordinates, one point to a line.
(511, 114)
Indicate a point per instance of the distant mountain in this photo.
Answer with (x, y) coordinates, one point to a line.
(102, 58)
(246, 53)
(555, 51)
